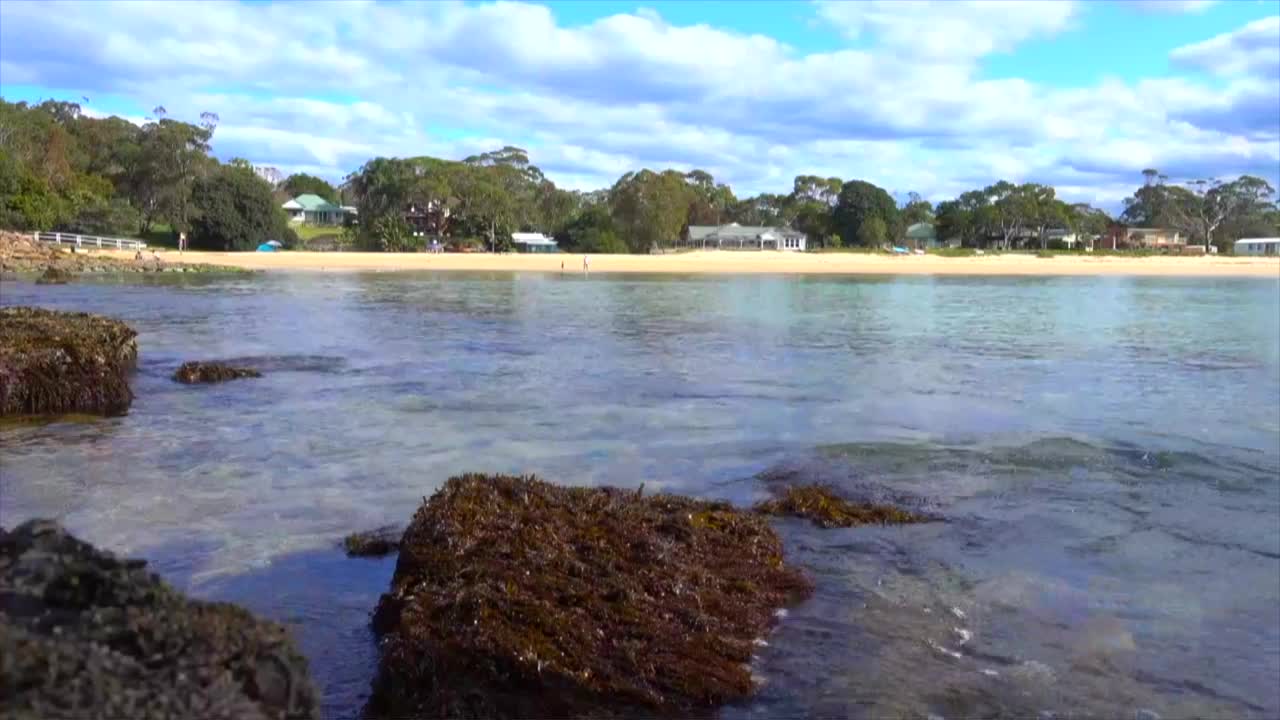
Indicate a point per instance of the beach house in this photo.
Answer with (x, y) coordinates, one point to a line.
(308, 209)
(921, 235)
(1122, 237)
(531, 242)
(1258, 246)
(742, 237)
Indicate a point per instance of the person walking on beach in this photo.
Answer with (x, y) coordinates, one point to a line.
(586, 265)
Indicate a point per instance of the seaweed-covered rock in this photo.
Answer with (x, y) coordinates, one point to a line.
(373, 543)
(513, 597)
(825, 508)
(211, 372)
(59, 362)
(86, 635)
(54, 276)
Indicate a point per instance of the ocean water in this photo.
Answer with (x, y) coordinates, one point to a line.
(1105, 453)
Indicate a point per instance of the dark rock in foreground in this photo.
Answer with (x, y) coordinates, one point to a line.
(58, 362)
(373, 543)
(86, 635)
(211, 372)
(516, 598)
(820, 504)
(54, 276)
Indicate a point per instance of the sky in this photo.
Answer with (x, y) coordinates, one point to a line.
(931, 97)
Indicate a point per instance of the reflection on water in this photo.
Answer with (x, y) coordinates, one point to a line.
(1105, 451)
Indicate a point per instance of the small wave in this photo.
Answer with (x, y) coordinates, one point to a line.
(290, 363)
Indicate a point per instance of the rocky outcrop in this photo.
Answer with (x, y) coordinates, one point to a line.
(373, 543)
(58, 362)
(86, 635)
(19, 253)
(211, 372)
(54, 276)
(516, 598)
(821, 505)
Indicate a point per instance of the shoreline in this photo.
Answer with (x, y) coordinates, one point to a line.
(731, 262)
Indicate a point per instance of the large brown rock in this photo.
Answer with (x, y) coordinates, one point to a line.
(88, 636)
(59, 362)
(516, 598)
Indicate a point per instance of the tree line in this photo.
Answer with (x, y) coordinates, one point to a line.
(62, 170)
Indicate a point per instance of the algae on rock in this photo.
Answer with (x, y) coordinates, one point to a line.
(86, 635)
(55, 362)
(211, 372)
(513, 597)
(373, 543)
(821, 505)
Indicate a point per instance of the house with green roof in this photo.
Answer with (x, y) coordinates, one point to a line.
(312, 209)
(921, 235)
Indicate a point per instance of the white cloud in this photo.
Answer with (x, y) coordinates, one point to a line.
(1172, 6)
(905, 106)
(1252, 50)
(950, 28)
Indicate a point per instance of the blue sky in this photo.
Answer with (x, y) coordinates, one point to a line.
(933, 97)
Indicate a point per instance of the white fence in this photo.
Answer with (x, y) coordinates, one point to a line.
(91, 241)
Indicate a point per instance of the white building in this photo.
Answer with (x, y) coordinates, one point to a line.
(1258, 246)
(533, 243)
(742, 237)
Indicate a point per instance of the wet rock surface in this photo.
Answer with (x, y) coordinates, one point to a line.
(825, 508)
(211, 372)
(373, 543)
(84, 634)
(513, 597)
(54, 276)
(59, 362)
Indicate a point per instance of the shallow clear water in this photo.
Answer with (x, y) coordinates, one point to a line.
(1106, 452)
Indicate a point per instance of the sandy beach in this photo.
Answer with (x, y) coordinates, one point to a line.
(744, 262)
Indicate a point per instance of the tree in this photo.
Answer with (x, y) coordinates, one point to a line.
(1211, 203)
(916, 210)
(234, 210)
(765, 209)
(859, 202)
(873, 232)
(650, 209)
(710, 202)
(1087, 221)
(592, 231)
(174, 155)
(302, 184)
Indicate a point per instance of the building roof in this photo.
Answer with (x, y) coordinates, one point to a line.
(922, 231)
(734, 231)
(313, 203)
(291, 205)
(1259, 241)
(531, 239)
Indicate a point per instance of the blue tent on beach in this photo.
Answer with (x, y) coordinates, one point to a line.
(270, 246)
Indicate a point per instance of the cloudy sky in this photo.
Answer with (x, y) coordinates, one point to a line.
(935, 97)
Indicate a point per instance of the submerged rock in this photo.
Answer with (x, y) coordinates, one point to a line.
(373, 543)
(58, 362)
(54, 276)
(211, 372)
(86, 635)
(820, 504)
(516, 598)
